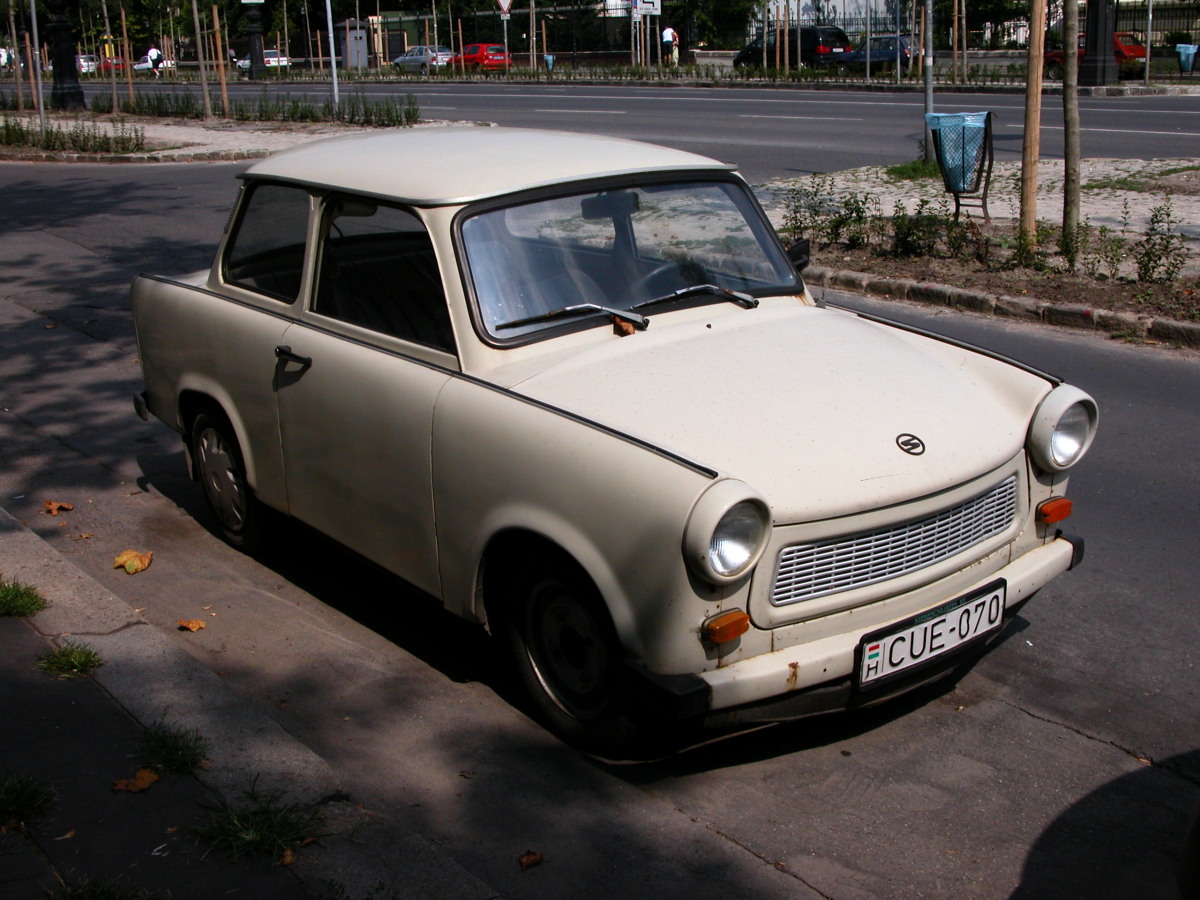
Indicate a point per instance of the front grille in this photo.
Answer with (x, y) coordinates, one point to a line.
(813, 570)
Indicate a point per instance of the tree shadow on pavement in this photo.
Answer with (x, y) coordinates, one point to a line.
(1120, 841)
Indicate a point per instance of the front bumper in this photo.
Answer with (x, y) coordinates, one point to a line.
(830, 659)
(818, 676)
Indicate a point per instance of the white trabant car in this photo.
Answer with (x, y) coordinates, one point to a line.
(574, 388)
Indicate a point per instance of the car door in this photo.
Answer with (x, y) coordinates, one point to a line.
(358, 379)
(263, 274)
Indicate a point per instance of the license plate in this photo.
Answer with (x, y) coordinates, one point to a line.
(931, 634)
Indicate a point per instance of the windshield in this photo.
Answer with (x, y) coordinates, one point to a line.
(616, 249)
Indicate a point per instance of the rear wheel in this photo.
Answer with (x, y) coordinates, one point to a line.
(222, 471)
(1054, 72)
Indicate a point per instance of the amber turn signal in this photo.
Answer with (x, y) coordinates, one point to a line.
(1054, 510)
(725, 627)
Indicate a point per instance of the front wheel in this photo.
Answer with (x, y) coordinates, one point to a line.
(222, 471)
(1054, 72)
(566, 654)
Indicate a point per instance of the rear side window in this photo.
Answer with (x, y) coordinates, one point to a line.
(266, 252)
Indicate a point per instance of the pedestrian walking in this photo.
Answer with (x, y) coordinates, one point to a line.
(670, 46)
(156, 59)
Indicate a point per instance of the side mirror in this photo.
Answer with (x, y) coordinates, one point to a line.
(799, 254)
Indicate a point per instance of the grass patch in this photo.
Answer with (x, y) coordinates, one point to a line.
(917, 170)
(70, 660)
(104, 889)
(79, 137)
(354, 109)
(23, 800)
(1143, 182)
(261, 826)
(170, 748)
(17, 599)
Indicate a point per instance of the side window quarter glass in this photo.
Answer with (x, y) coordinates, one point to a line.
(266, 252)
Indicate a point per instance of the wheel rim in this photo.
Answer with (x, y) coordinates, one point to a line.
(568, 651)
(222, 478)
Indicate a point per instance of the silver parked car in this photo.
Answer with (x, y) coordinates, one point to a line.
(422, 58)
(574, 387)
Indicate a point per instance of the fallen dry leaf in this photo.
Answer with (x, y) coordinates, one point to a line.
(138, 783)
(133, 562)
(172, 829)
(66, 837)
(529, 859)
(288, 857)
(53, 507)
(191, 624)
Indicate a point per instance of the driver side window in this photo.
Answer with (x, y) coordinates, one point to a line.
(378, 270)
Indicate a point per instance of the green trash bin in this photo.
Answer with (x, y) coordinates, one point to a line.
(1187, 57)
(962, 143)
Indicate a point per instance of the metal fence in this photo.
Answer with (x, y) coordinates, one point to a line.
(1173, 22)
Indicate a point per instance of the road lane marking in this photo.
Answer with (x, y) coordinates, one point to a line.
(1114, 130)
(807, 118)
(589, 112)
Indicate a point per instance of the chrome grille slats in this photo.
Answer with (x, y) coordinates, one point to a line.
(806, 571)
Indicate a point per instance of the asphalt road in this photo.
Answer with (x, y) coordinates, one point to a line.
(1064, 765)
(772, 133)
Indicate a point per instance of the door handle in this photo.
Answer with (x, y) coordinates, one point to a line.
(284, 353)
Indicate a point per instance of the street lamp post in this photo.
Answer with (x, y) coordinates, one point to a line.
(66, 93)
(254, 31)
(1099, 65)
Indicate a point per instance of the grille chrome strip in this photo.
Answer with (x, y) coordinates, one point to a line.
(806, 571)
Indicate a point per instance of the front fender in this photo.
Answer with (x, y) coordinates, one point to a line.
(619, 509)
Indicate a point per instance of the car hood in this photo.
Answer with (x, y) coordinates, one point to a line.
(806, 405)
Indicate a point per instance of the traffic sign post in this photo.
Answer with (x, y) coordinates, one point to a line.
(505, 6)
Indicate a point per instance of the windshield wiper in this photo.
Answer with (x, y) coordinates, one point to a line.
(743, 300)
(640, 323)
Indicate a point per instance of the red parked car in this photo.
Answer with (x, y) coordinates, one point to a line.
(482, 58)
(1128, 51)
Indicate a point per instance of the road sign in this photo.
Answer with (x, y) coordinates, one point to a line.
(650, 7)
(505, 5)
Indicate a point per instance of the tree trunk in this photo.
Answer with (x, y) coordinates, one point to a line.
(1031, 147)
(1071, 149)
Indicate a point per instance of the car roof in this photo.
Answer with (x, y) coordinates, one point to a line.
(457, 164)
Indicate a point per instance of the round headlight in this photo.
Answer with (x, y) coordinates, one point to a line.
(726, 532)
(737, 539)
(1063, 428)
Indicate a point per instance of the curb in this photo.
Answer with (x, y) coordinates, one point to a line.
(1170, 331)
(153, 680)
(39, 156)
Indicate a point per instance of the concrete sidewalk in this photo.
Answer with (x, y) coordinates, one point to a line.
(81, 735)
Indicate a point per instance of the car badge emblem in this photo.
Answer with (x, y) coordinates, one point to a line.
(910, 444)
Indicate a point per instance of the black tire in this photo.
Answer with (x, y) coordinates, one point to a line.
(424, 69)
(1054, 72)
(221, 469)
(565, 652)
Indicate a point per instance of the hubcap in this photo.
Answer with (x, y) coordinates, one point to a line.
(222, 478)
(568, 652)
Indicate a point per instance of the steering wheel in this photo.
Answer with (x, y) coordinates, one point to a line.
(664, 278)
